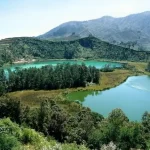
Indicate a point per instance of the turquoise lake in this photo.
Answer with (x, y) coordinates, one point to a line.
(97, 64)
(133, 97)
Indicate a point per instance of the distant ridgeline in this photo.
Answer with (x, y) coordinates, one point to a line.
(88, 48)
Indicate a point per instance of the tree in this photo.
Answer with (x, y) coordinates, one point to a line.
(2, 88)
(8, 142)
(148, 67)
(146, 122)
(44, 117)
(131, 136)
(103, 134)
(117, 117)
(10, 108)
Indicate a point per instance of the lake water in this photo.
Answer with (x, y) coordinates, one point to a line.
(133, 97)
(97, 64)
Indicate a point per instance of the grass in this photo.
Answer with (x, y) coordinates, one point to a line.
(107, 80)
(111, 79)
(34, 98)
(139, 67)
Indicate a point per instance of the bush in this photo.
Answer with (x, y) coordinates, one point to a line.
(8, 142)
(107, 68)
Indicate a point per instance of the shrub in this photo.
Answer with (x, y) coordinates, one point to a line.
(8, 142)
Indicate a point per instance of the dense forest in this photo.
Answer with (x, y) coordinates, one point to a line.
(89, 48)
(48, 77)
(76, 124)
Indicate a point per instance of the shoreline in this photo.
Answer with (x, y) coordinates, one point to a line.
(107, 80)
(22, 61)
(121, 75)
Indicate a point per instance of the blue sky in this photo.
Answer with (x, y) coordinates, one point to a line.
(35, 17)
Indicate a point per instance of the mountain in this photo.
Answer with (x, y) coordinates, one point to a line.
(14, 49)
(132, 31)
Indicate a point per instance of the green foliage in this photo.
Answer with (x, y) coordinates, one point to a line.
(146, 123)
(52, 120)
(2, 82)
(131, 136)
(8, 142)
(73, 147)
(9, 135)
(90, 47)
(148, 67)
(48, 77)
(10, 108)
(80, 126)
(118, 129)
(117, 117)
(15, 137)
(107, 68)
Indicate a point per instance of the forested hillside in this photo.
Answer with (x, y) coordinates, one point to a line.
(16, 137)
(69, 122)
(14, 49)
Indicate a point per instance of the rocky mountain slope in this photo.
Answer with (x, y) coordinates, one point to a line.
(132, 31)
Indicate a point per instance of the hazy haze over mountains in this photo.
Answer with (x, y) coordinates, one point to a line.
(134, 30)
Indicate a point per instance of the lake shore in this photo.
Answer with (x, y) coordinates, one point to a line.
(107, 80)
(23, 61)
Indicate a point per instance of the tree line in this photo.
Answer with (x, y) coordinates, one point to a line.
(48, 77)
(79, 125)
(14, 49)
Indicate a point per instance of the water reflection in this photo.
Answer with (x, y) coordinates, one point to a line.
(81, 95)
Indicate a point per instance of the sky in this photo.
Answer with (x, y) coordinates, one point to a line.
(35, 17)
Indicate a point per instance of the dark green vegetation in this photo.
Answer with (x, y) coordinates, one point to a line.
(132, 31)
(5, 53)
(48, 78)
(148, 67)
(16, 137)
(88, 48)
(68, 121)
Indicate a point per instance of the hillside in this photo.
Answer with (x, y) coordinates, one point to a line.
(28, 139)
(132, 31)
(14, 49)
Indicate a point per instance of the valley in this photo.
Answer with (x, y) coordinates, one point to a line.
(83, 85)
(55, 109)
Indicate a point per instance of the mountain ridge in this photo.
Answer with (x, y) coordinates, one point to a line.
(132, 31)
